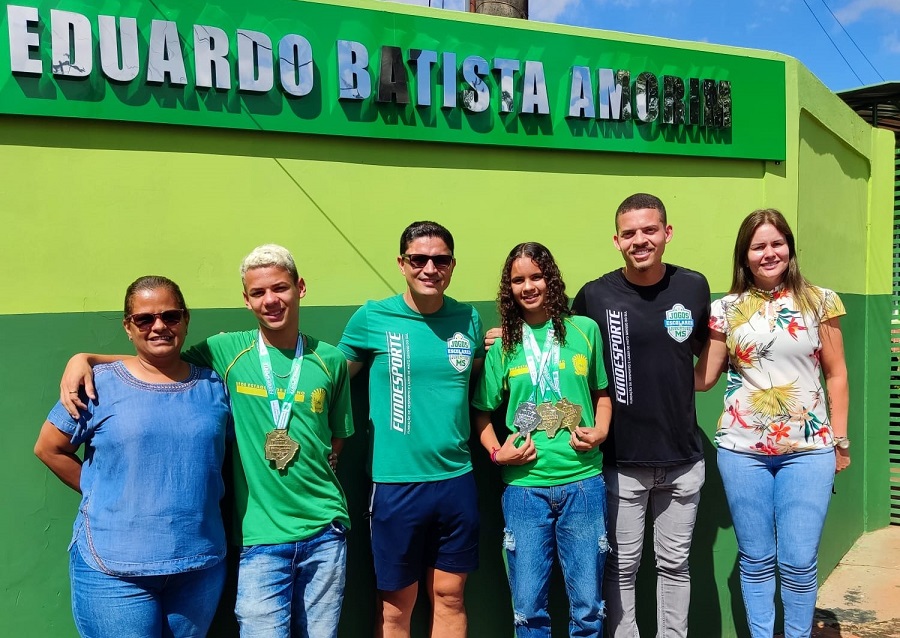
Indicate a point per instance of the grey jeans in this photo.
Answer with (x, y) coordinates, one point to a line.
(672, 495)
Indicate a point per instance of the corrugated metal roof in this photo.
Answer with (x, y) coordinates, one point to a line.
(879, 104)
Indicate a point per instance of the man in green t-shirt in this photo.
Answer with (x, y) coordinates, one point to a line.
(290, 401)
(423, 348)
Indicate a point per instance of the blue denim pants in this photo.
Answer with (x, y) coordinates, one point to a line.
(778, 505)
(293, 589)
(567, 520)
(169, 606)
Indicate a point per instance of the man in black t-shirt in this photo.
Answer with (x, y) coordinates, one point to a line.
(654, 318)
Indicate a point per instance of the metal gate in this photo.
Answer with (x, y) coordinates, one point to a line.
(879, 105)
(894, 433)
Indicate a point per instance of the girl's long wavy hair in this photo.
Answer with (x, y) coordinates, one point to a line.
(807, 296)
(556, 302)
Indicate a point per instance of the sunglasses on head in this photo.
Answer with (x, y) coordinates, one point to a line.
(145, 320)
(440, 262)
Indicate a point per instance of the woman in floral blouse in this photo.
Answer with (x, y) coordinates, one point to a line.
(779, 444)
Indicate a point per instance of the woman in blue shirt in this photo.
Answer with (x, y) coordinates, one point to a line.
(146, 557)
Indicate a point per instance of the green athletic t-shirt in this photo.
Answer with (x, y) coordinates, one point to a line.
(282, 506)
(418, 386)
(581, 370)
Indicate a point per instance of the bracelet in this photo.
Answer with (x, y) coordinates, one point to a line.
(842, 442)
(494, 452)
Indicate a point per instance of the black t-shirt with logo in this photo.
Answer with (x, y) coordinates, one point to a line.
(650, 337)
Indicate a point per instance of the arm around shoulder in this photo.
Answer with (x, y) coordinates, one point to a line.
(79, 373)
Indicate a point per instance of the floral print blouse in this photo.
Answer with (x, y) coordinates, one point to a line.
(774, 401)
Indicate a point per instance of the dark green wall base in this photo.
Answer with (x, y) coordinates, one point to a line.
(37, 511)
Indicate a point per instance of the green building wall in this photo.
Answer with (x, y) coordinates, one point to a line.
(89, 205)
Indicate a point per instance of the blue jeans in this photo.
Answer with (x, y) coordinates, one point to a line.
(778, 505)
(293, 589)
(568, 520)
(170, 606)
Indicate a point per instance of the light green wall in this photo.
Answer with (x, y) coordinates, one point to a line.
(89, 206)
(845, 230)
(339, 204)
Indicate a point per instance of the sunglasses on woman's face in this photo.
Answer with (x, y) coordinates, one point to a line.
(145, 320)
(441, 262)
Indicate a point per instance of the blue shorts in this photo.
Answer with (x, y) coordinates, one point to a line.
(420, 525)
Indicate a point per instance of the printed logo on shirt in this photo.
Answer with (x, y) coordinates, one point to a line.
(679, 323)
(317, 404)
(620, 354)
(459, 351)
(580, 363)
(256, 390)
(520, 370)
(398, 375)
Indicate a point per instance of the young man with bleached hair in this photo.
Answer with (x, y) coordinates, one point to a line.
(290, 401)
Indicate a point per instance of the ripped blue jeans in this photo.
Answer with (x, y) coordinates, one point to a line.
(565, 520)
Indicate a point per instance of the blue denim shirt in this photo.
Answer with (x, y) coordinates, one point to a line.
(151, 480)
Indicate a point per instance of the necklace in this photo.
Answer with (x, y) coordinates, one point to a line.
(288, 373)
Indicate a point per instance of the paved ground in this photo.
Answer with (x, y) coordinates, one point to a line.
(861, 598)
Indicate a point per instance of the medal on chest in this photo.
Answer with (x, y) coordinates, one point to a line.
(543, 368)
(526, 418)
(279, 448)
(571, 414)
(551, 418)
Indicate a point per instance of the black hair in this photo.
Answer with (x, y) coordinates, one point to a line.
(417, 230)
(639, 201)
(152, 282)
(556, 303)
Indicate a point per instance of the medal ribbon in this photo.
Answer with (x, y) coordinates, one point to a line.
(544, 374)
(281, 410)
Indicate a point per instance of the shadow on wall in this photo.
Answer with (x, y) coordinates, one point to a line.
(58, 133)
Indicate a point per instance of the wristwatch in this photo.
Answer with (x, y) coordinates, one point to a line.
(842, 442)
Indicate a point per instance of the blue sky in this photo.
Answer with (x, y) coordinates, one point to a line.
(787, 26)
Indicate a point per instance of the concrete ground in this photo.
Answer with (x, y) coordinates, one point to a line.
(861, 598)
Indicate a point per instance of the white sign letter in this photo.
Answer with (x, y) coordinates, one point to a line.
(165, 57)
(110, 36)
(353, 71)
(210, 51)
(21, 41)
(255, 67)
(296, 64)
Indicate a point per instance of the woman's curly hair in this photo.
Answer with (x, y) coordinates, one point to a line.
(556, 302)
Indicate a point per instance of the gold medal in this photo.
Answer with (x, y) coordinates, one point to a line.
(551, 418)
(571, 414)
(280, 448)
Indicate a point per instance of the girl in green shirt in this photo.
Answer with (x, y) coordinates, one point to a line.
(550, 367)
